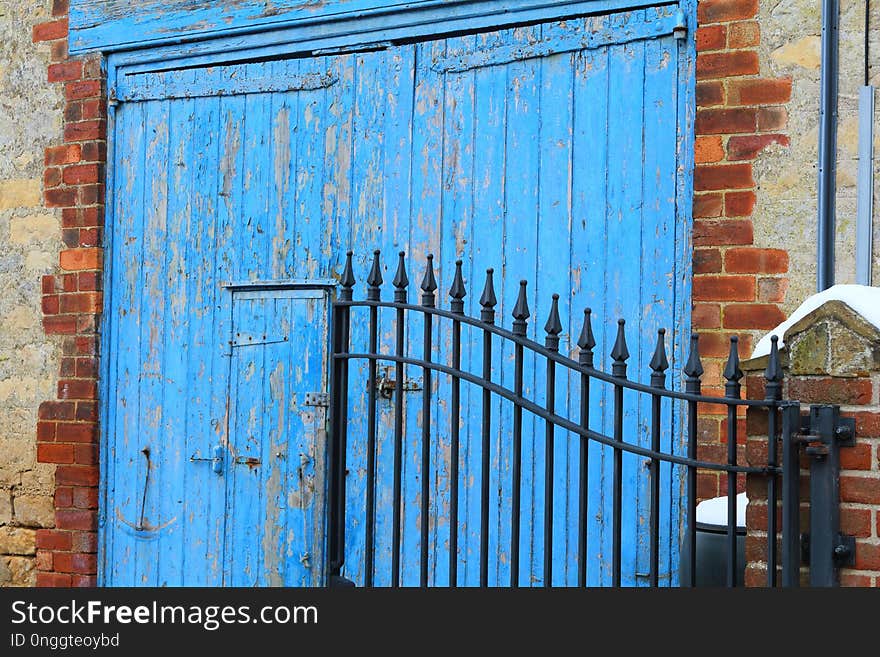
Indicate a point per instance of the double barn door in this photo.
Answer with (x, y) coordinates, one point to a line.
(550, 151)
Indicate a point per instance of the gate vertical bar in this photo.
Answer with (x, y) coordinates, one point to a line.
(338, 427)
(618, 370)
(659, 364)
(586, 342)
(791, 476)
(773, 393)
(520, 315)
(458, 293)
(693, 370)
(429, 285)
(553, 328)
(400, 282)
(488, 302)
(373, 294)
(732, 390)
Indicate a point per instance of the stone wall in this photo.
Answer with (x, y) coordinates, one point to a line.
(785, 213)
(30, 239)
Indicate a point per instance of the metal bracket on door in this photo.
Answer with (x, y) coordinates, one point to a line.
(317, 399)
(216, 460)
(386, 384)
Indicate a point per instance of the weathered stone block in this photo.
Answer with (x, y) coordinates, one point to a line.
(22, 571)
(34, 511)
(17, 540)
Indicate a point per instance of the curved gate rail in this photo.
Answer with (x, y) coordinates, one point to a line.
(788, 411)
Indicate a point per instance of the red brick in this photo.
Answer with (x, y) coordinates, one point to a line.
(727, 64)
(743, 35)
(76, 389)
(91, 194)
(857, 457)
(756, 261)
(707, 485)
(76, 433)
(717, 11)
(94, 151)
(76, 519)
(46, 432)
(747, 147)
(71, 562)
(741, 434)
(712, 37)
(707, 429)
(828, 390)
(708, 205)
(867, 424)
(89, 281)
(50, 30)
(89, 237)
(68, 366)
(708, 149)
(59, 325)
(86, 454)
(84, 581)
(57, 411)
(54, 453)
(82, 173)
(50, 304)
(856, 522)
(82, 89)
(63, 497)
(759, 91)
(723, 176)
(739, 204)
(58, 50)
(60, 7)
(53, 580)
(82, 302)
(724, 288)
(81, 259)
(722, 232)
(85, 130)
(867, 556)
(717, 345)
(85, 498)
(76, 475)
(52, 539)
(772, 290)
(772, 118)
(69, 282)
(86, 346)
(855, 579)
(84, 541)
(94, 109)
(752, 316)
(59, 198)
(44, 561)
(710, 93)
(707, 261)
(66, 71)
(726, 121)
(865, 490)
(86, 411)
(706, 316)
(51, 177)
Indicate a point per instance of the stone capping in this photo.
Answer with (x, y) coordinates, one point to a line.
(832, 339)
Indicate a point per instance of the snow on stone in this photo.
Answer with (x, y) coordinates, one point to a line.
(864, 299)
(714, 511)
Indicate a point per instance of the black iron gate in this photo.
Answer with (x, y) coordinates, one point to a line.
(817, 436)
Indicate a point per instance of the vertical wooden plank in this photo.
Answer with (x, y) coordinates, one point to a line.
(624, 244)
(658, 258)
(553, 276)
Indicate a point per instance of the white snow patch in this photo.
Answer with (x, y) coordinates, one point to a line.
(865, 300)
(714, 511)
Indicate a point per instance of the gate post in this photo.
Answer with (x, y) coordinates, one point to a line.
(831, 361)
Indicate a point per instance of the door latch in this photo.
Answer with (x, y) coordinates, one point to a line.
(216, 461)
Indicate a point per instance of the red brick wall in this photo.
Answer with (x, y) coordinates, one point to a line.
(67, 431)
(859, 398)
(737, 285)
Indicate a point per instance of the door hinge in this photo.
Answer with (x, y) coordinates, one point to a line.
(679, 30)
(317, 399)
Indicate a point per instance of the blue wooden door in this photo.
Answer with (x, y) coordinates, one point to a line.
(552, 152)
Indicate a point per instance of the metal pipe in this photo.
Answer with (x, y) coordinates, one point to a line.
(828, 143)
(865, 212)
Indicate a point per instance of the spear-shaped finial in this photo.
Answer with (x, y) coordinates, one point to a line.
(458, 291)
(429, 284)
(732, 371)
(659, 363)
(619, 353)
(773, 373)
(521, 310)
(586, 341)
(693, 368)
(553, 327)
(400, 279)
(347, 281)
(374, 280)
(488, 300)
